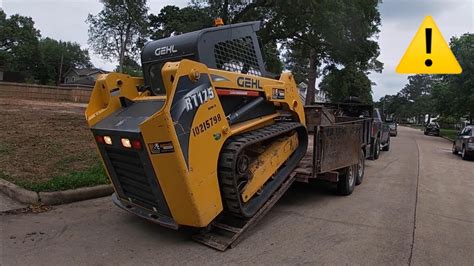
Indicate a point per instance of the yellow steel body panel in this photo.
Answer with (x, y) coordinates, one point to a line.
(253, 124)
(192, 192)
(104, 98)
(191, 187)
(268, 163)
(291, 101)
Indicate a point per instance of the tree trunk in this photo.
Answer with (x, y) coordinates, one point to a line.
(225, 12)
(313, 62)
(122, 52)
(123, 48)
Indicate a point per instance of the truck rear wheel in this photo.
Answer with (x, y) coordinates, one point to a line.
(387, 145)
(360, 168)
(464, 155)
(347, 180)
(376, 149)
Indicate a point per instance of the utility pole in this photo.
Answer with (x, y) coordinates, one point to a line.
(60, 69)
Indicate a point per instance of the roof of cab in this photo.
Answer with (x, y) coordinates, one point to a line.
(185, 44)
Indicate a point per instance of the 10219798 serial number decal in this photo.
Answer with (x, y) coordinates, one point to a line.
(207, 124)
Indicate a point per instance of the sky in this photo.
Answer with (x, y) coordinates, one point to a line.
(65, 20)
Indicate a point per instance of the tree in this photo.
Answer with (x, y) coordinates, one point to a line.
(463, 84)
(19, 44)
(235, 11)
(314, 33)
(418, 91)
(119, 30)
(335, 34)
(297, 61)
(450, 96)
(173, 20)
(349, 81)
(57, 57)
(131, 67)
(394, 106)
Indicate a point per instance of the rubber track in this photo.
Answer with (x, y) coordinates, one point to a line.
(228, 158)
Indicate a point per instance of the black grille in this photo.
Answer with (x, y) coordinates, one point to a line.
(133, 179)
(237, 55)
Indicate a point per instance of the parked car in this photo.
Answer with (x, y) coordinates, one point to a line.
(432, 129)
(393, 127)
(380, 134)
(464, 143)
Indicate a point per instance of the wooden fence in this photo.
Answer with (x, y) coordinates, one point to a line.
(42, 92)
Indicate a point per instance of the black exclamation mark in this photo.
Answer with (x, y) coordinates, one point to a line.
(428, 62)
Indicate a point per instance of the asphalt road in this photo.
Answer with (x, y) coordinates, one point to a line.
(416, 206)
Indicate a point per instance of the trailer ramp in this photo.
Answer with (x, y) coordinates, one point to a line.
(228, 232)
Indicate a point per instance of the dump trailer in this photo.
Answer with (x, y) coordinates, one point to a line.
(207, 138)
(339, 142)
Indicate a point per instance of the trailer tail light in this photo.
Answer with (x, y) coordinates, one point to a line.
(374, 130)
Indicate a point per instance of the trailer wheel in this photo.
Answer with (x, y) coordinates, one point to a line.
(347, 180)
(360, 168)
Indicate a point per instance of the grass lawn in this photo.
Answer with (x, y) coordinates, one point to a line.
(94, 175)
(47, 146)
(449, 133)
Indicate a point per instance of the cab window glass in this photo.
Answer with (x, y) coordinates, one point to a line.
(157, 85)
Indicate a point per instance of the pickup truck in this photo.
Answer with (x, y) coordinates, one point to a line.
(380, 134)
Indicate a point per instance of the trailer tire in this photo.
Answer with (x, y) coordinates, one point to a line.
(360, 168)
(347, 180)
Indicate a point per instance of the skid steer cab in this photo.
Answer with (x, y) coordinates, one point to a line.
(205, 134)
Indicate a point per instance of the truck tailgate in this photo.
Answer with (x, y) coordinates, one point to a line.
(336, 146)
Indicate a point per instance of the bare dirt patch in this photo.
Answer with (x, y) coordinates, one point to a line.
(40, 140)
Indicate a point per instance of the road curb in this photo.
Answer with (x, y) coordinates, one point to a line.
(72, 195)
(53, 198)
(446, 138)
(18, 193)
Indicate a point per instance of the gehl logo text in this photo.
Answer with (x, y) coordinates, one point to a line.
(248, 82)
(165, 50)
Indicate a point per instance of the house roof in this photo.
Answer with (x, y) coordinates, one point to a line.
(87, 80)
(82, 72)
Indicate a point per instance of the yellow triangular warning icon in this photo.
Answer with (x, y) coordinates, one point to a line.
(428, 53)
